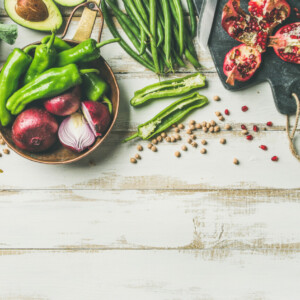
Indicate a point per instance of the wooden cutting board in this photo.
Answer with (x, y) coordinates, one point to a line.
(284, 78)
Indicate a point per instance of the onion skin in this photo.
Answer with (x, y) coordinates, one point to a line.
(97, 115)
(75, 134)
(35, 130)
(65, 104)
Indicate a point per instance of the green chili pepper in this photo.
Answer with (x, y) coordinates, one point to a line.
(170, 115)
(169, 88)
(94, 87)
(84, 52)
(58, 44)
(44, 59)
(51, 83)
(15, 66)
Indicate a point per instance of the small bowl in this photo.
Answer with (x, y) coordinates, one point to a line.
(59, 154)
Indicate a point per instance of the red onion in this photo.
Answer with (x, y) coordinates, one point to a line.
(75, 133)
(97, 115)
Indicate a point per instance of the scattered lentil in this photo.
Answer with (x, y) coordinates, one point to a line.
(154, 141)
(154, 149)
(198, 126)
(213, 123)
(140, 148)
(177, 154)
(223, 141)
(177, 137)
(181, 126)
(194, 144)
(174, 125)
(221, 118)
(189, 131)
(159, 138)
(189, 140)
(193, 137)
(211, 129)
(217, 128)
(208, 125)
(2, 142)
(137, 156)
(227, 127)
(217, 113)
(205, 129)
(133, 160)
(168, 139)
(203, 150)
(6, 151)
(149, 146)
(192, 127)
(217, 98)
(184, 148)
(177, 129)
(203, 124)
(173, 139)
(203, 142)
(192, 122)
(245, 131)
(163, 135)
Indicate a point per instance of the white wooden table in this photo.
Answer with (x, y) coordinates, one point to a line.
(198, 227)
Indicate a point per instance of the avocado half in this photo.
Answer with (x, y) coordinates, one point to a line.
(53, 21)
(69, 3)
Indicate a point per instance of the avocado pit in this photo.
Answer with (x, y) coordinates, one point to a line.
(32, 10)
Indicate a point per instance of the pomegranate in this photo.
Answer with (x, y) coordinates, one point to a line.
(254, 29)
(286, 43)
(272, 11)
(65, 104)
(35, 130)
(241, 63)
(97, 115)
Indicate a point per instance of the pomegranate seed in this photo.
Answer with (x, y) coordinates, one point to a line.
(255, 128)
(249, 137)
(227, 112)
(244, 108)
(269, 123)
(243, 127)
(263, 147)
(298, 15)
(274, 158)
(296, 9)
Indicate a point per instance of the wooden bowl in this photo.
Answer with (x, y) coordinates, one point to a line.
(59, 154)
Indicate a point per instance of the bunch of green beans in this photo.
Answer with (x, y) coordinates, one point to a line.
(157, 29)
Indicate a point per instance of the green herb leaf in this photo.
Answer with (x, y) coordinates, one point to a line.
(8, 33)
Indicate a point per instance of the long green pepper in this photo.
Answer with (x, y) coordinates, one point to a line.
(44, 59)
(170, 115)
(15, 66)
(51, 83)
(86, 51)
(59, 44)
(169, 88)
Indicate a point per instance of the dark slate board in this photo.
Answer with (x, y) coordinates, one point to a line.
(283, 77)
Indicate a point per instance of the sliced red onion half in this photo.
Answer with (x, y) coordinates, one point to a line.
(75, 133)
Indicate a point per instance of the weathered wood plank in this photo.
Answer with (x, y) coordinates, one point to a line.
(203, 275)
(264, 220)
(162, 170)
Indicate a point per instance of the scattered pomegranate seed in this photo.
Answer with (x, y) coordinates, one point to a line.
(227, 112)
(244, 108)
(296, 9)
(249, 137)
(269, 123)
(263, 147)
(298, 15)
(243, 127)
(255, 128)
(274, 158)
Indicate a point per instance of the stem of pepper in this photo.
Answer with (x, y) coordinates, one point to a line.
(85, 71)
(108, 102)
(51, 41)
(130, 138)
(29, 48)
(99, 45)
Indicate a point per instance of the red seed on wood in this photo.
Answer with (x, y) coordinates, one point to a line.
(249, 137)
(244, 108)
(263, 147)
(227, 112)
(269, 123)
(255, 128)
(243, 127)
(274, 158)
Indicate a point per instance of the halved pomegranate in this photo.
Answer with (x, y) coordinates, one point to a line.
(273, 11)
(245, 28)
(286, 43)
(240, 63)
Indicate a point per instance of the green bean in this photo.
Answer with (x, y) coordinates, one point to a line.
(167, 22)
(160, 33)
(180, 16)
(192, 17)
(141, 10)
(122, 43)
(178, 59)
(130, 14)
(138, 16)
(153, 33)
(143, 42)
(130, 29)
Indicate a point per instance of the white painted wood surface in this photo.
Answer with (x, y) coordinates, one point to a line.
(198, 227)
